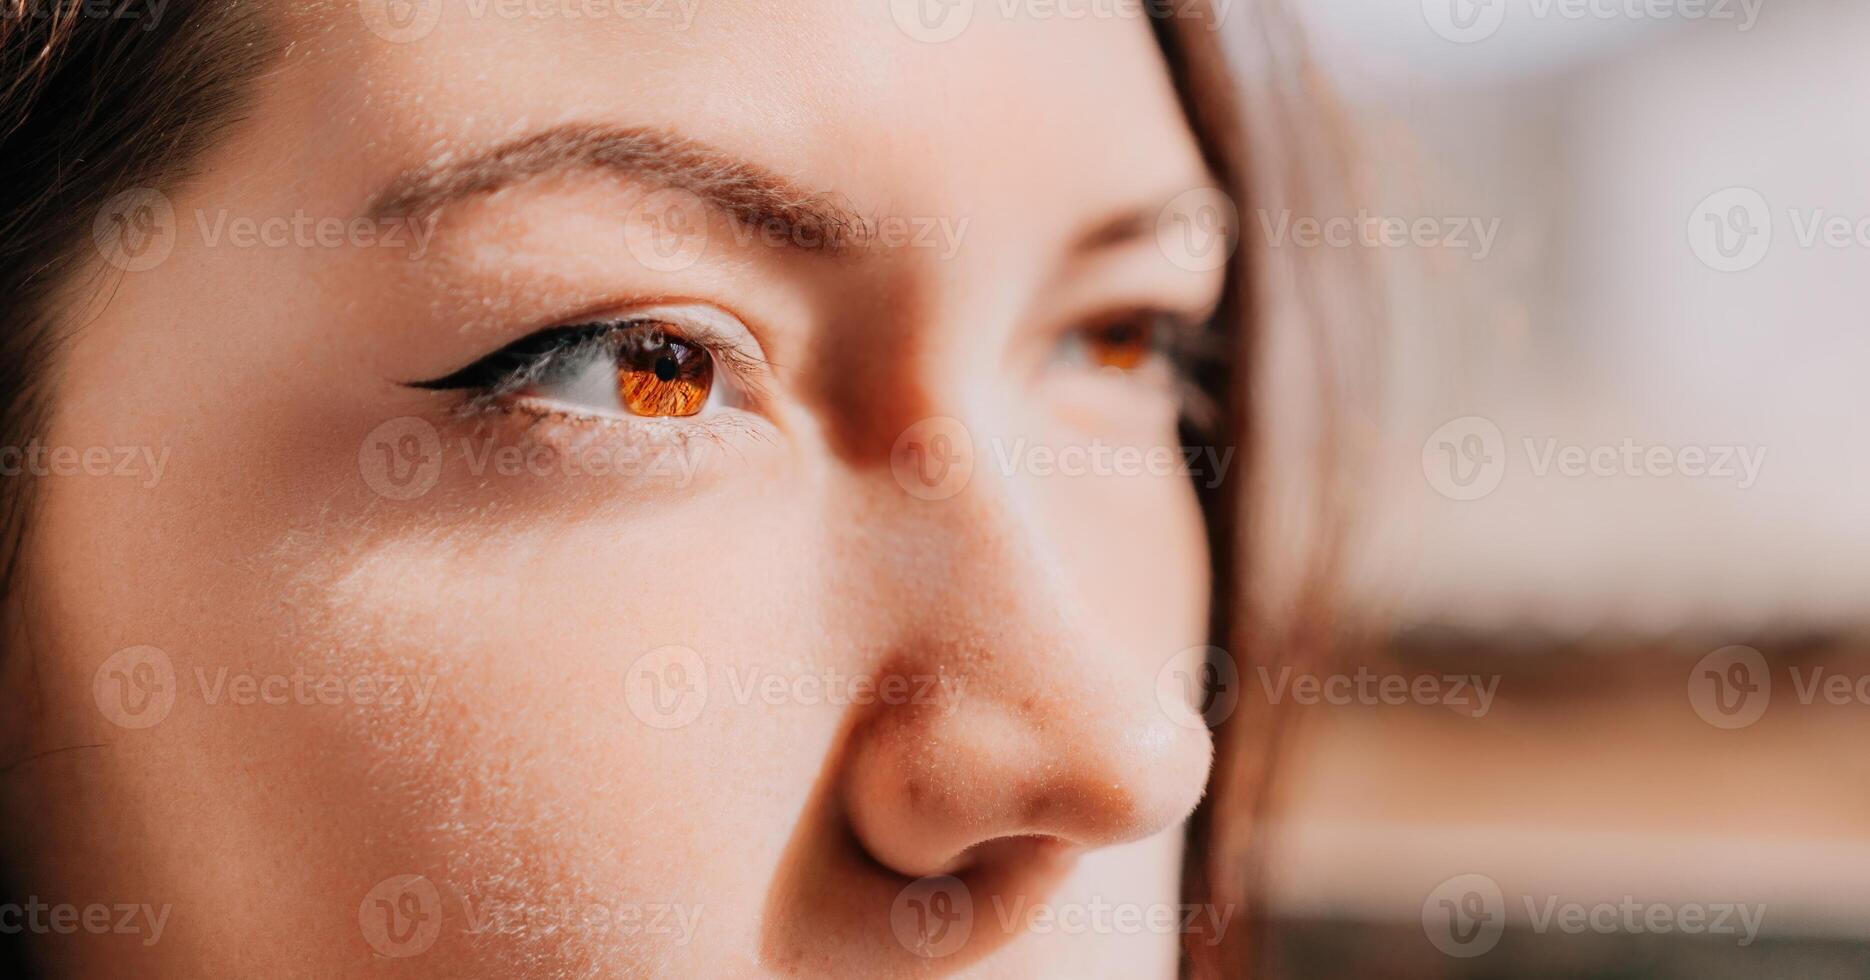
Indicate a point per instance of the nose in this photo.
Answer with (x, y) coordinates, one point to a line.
(1038, 736)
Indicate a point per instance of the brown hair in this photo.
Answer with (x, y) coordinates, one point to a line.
(1274, 593)
(1211, 876)
(95, 99)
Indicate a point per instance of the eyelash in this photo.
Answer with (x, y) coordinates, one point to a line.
(492, 381)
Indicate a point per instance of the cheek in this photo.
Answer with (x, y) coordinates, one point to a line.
(582, 676)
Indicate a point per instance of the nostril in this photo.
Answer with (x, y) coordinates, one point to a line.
(1040, 852)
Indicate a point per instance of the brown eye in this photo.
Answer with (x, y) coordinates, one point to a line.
(660, 375)
(1124, 344)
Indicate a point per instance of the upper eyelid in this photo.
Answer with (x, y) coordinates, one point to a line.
(699, 330)
(1188, 334)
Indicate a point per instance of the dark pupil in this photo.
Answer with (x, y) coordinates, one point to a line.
(666, 367)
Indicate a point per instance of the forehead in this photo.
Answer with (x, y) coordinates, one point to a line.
(1041, 113)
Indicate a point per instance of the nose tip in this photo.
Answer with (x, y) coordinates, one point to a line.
(987, 781)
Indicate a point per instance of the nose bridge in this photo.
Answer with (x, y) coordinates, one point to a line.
(962, 582)
(1035, 727)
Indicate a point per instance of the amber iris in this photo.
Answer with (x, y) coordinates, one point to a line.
(1124, 345)
(661, 375)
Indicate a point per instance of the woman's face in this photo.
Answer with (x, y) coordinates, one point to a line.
(788, 511)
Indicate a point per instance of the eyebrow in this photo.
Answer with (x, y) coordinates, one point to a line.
(748, 193)
(1119, 229)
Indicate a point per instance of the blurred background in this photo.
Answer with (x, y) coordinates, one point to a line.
(1612, 473)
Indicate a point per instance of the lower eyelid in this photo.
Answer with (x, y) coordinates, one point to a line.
(545, 409)
(561, 427)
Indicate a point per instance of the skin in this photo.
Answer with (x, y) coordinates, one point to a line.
(1041, 768)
